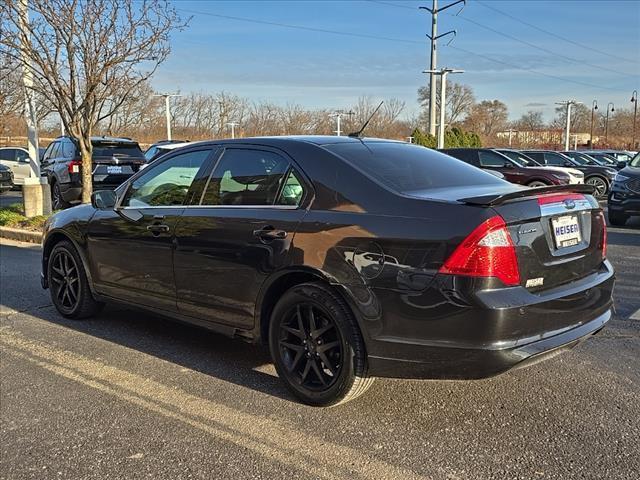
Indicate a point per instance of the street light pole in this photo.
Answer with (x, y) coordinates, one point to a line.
(233, 128)
(338, 116)
(167, 109)
(634, 99)
(567, 130)
(606, 123)
(443, 99)
(594, 106)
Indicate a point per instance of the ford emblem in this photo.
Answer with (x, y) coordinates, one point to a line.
(569, 204)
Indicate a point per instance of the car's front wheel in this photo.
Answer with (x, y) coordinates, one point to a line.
(68, 283)
(317, 346)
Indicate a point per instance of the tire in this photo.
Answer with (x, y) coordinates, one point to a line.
(66, 271)
(617, 219)
(57, 200)
(537, 183)
(600, 184)
(335, 346)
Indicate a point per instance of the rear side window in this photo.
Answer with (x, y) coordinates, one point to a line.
(537, 156)
(490, 159)
(408, 168)
(68, 149)
(8, 154)
(246, 177)
(117, 150)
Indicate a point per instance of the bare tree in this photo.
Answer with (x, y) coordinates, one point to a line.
(487, 118)
(531, 121)
(460, 100)
(88, 57)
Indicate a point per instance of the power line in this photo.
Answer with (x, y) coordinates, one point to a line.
(375, 37)
(519, 40)
(301, 27)
(560, 37)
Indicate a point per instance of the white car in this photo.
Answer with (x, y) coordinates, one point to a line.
(17, 159)
(575, 175)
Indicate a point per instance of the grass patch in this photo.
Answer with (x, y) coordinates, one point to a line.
(13, 216)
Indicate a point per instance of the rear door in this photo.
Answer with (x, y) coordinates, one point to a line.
(131, 247)
(238, 233)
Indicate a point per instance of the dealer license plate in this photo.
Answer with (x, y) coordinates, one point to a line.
(566, 231)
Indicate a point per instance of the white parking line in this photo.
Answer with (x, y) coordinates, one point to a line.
(636, 315)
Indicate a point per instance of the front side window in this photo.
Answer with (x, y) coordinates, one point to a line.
(490, 159)
(167, 183)
(68, 149)
(246, 177)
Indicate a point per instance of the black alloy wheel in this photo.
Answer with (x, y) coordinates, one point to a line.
(70, 292)
(65, 281)
(317, 346)
(599, 184)
(57, 200)
(311, 347)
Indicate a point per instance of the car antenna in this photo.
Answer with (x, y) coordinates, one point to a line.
(359, 132)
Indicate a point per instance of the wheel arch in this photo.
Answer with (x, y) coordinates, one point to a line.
(282, 281)
(52, 239)
(539, 179)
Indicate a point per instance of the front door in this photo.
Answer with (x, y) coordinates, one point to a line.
(240, 232)
(131, 247)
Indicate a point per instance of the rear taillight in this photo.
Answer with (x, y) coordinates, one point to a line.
(74, 166)
(487, 252)
(603, 239)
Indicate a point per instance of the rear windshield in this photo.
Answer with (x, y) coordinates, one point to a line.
(407, 168)
(117, 150)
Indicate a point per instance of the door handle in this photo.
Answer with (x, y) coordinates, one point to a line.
(157, 228)
(270, 233)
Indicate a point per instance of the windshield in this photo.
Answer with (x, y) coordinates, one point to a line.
(635, 161)
(579, 159)
(605, 159)
(409, 168)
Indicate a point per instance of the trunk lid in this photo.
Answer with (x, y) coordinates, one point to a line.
(558, 233)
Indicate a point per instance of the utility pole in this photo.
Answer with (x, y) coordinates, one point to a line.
(511, 131)
(567, 132)
(606, 123)
(338, 116)
(233, 126)
(634, 99)
(443, 99)
(167, 109)
(594, 107)
(35, 191)
(433, 64)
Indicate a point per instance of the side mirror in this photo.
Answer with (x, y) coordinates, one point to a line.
(508, 165)
(621, 164)
(568, 164)
(103, 199)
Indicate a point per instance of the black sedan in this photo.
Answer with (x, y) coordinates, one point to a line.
(6, 179)
(350, 258)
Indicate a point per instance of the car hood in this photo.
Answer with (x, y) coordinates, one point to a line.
(631, 172)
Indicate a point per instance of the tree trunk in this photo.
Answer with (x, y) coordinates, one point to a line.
(86, 153)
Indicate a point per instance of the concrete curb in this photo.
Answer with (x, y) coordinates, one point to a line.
(20, 235)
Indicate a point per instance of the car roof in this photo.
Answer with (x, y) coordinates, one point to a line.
(105, 139)
(283, 140)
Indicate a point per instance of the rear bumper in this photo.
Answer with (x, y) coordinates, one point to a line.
(499, 330)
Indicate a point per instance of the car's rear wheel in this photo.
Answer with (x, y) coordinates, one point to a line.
(57, 200)
(537, 183)
(617, 219)
(70, 292)
(317, 347)
(599, 184)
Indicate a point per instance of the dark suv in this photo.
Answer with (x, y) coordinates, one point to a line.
(114, 161)
(598, 176)
(488, 159)
(624, 198)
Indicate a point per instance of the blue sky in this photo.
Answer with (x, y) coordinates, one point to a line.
(325, 70)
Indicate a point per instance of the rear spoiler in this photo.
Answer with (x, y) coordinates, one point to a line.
(497, 198)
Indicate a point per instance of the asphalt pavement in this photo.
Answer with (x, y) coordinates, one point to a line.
(130, 396)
